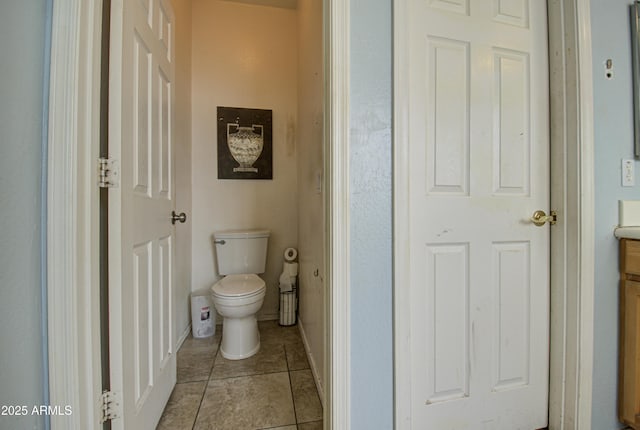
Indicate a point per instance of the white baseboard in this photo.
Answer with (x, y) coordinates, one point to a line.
(183, 337)
(312, 363)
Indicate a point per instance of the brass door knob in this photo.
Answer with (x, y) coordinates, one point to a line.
(540, 218)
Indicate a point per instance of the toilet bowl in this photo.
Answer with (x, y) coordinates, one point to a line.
(238, 296)
(237, 299)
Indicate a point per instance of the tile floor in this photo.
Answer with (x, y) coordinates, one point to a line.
(274, 389)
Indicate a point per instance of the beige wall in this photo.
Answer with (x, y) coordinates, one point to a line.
(182, 159)
(310, 166)
(243, 56)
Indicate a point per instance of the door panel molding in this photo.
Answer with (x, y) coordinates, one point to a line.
(572, 280)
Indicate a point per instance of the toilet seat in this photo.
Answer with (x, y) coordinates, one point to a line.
(239, 287)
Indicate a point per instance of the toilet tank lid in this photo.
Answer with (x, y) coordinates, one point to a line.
(241, 234)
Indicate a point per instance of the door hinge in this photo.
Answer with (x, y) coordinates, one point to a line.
(108, 173)
(111, 408)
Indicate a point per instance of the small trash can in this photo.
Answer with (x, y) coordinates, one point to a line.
(203, 314)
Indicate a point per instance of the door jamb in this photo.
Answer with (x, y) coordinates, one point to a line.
(571, 325)
(72, 217)
(572, 252)
(336, 156)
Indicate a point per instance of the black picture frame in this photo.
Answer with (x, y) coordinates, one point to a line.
(241, 130)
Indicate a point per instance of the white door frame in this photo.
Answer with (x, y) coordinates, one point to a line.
(572, 278)
(73, 213)
(337, 412)
(572, 249)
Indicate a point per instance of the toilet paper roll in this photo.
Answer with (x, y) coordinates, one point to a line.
(285, 278)
(290, 269)
(290, 254)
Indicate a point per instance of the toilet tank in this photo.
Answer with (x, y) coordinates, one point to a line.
(241, 251)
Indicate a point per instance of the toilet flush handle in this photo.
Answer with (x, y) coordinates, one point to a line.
(219, 241)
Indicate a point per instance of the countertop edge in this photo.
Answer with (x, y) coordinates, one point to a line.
(627, 232)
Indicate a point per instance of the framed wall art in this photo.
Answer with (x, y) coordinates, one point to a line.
(245, 147)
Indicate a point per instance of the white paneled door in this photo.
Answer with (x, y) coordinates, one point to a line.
(477, 146)
(141, 235)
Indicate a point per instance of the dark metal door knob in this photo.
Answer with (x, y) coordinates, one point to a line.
(182, 217)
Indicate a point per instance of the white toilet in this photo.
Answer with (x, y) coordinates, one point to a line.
(241, 254)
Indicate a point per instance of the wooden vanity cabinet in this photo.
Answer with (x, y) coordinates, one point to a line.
(629, 352)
